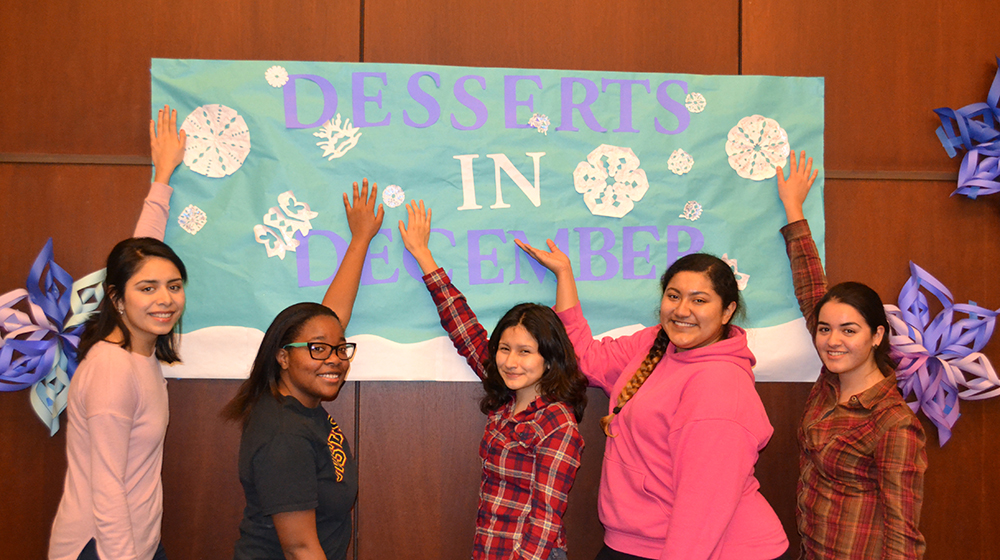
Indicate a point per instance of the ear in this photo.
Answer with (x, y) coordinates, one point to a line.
(727, 313)
(879, 333)
(282, 358)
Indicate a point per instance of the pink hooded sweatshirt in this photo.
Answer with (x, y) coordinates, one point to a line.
(678, 479)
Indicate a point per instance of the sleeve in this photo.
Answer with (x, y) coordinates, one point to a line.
(284, 474)
(713, 456)
(111, 401)
(155, 212)
(557, 458)
(807, 269)
(603, 361)
(901, 461)
(459, 321)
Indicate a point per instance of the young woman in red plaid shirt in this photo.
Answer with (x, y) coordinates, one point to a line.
(535, 395)
(862, 456)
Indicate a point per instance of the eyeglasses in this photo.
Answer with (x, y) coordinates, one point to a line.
(322, 351)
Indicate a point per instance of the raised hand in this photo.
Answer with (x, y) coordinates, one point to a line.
(794, 190)
(362, 217)
(166, 144)
(556, 261)
(416, 235)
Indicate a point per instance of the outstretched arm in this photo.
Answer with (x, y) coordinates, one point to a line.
(556, 261)
(364, 221)
(167, 149)
(807, 270)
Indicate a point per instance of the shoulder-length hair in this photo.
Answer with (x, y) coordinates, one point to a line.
(866, 302)
(125, 259)
(266, 371)
(562, 380)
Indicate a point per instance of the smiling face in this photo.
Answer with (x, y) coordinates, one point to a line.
(520, 364)
(845, 342)
(691, 311)
(312, 381)
(151, 303)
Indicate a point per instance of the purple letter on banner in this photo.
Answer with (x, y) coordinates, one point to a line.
(291, 109)
(675, 107)
(673, 242)
(423, 98)
(625, 121)
(562, 241)
(511, 103)
(590, 95)
(302, 255)
(629, 254)
(410, 263)
(476, 258)
(478, 107)
(587, 253)
(367, 278)
(358, 98)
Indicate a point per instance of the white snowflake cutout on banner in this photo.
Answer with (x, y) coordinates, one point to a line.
(192, 219)
(695, 102)
(540, 123)
(277, 76)
(610, 180)
(393, 196)
(340, 136)
(741, 278)
(756, 146)
(680, 162)
(692, 211)
(218, 140)
(281, 222)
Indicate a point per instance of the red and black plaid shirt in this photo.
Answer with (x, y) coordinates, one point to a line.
(862, 463)
(529, 458)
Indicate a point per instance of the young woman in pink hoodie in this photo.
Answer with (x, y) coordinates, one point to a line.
(685, 424)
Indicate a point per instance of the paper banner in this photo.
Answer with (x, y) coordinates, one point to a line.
(939, 358)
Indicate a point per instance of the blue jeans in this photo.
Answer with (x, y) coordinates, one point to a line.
(89, 552)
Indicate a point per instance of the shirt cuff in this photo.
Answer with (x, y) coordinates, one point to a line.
(436, 279)
(796, 230)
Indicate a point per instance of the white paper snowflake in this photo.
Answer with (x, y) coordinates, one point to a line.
(218, 140)
(393, 196)
(741, 278)
(539, 122)
(695, 102)
(680, 162)
(281, 223)
(756, 146)
(192, 219)
(692, 211)
(610, 180)
(276, 76)
(340, 137)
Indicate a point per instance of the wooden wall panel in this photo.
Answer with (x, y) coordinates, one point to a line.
(80, 70)
(886, 64)
(641, 36)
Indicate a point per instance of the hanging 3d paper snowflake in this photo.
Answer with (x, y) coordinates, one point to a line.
(939, 358)
(393, 196)
(610, 180)
(540, 123)
(339, 137)
(695, 102)
(40, 331)
(680, 162)
(692, 211)
(192, 219)
(756, 146)
(741, 278)
(276, 76)
(218, 141)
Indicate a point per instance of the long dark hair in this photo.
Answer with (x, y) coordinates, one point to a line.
(562, 380)
(266, 371)
(867, 302)
(124, 261)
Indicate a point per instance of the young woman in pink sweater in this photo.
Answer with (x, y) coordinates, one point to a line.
(685, 424)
